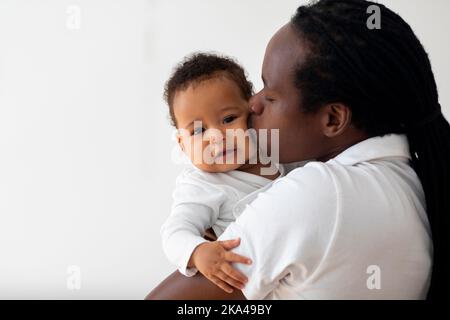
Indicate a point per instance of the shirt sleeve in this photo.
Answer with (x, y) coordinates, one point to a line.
(195, 208)
(286, 231)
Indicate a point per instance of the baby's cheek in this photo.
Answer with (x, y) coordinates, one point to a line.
(251, 148)
(243, 123)
(193, 149)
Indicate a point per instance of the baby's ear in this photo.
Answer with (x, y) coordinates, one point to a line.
(179, 138)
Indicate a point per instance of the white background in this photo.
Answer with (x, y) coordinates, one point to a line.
(85, 144)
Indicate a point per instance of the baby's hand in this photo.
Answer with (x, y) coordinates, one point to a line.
(213, 260)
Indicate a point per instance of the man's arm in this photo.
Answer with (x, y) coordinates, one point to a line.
(178, 287)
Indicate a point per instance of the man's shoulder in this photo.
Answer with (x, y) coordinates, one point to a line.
(314, 177)
(309, 168)
(305, 194)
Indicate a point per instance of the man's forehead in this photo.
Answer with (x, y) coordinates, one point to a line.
(285, 50)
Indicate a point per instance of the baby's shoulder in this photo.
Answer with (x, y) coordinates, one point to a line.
(194, 186)
(193, 175)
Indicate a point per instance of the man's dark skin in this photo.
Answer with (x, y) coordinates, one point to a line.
(321, 135)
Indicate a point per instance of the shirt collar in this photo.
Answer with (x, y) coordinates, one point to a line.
(380, 147)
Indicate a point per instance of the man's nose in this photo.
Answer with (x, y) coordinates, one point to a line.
(256, 106)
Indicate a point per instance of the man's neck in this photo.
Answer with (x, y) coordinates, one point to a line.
(343, 143)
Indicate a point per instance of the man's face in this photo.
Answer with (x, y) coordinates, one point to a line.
(278, 104)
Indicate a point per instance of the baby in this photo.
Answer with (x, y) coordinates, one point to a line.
(208, 103)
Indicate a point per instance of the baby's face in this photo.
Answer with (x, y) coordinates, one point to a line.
(220, 114)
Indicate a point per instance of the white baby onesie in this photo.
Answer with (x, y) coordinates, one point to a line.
(204, 200)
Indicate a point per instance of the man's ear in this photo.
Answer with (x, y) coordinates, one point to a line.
(336, 119)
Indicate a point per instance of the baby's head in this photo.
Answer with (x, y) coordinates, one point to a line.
(208, 94)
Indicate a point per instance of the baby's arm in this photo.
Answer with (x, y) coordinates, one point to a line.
(183, 232)
(195, 209)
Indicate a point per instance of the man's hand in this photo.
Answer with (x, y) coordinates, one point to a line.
(213, 260)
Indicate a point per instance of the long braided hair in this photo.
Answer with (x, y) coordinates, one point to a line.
(384, 75)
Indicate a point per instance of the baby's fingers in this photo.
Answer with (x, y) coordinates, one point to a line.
(221, 284)
(229, 280)
(230, 244)
(234, 257)
(233, 273)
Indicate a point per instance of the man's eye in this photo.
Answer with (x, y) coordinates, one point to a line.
(198, 130)
(228, 119)
(268, 99)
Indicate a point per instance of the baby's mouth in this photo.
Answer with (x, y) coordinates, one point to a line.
(225, 152)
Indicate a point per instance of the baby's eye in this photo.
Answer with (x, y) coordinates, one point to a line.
(198, 130)
(228, 119)
(269, 99)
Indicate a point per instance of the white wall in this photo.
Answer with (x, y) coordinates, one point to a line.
(85, 145)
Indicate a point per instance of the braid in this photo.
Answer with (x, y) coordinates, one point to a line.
(377, 73)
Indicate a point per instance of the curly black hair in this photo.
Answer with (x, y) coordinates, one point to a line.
(198, 67)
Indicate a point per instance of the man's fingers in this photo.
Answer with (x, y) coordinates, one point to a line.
(221, 284)
(229, 280)
(234, 257)
(233, 273)
(230, 244)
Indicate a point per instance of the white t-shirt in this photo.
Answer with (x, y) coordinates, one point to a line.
(203, 200)
(354, 227)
